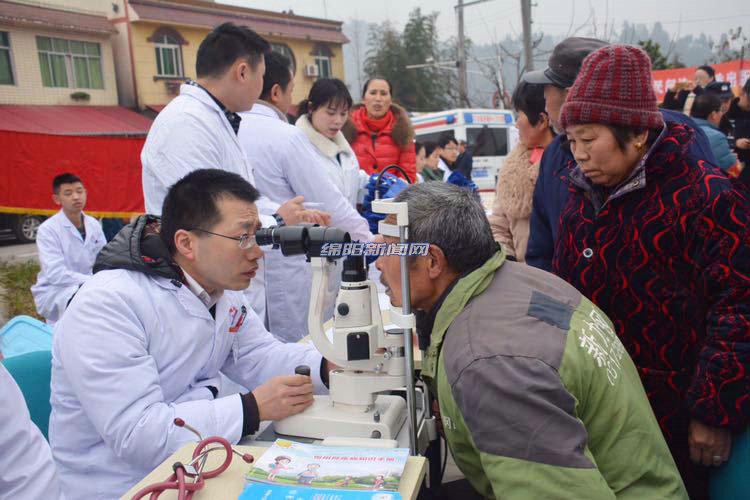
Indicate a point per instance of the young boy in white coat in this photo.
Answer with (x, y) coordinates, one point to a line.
(147, 338)
(68, 243)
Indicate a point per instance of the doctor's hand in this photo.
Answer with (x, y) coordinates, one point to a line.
(294, 212)
(316, 217)
(283, 396)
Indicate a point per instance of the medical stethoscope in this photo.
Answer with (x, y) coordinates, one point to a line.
(182, 472)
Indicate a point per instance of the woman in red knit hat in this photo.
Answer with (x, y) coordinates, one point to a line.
(380, 132)
(660, 241)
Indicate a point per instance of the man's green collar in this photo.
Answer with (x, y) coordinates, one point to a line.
(469, 286)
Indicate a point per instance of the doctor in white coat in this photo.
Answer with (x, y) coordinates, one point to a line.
(286, 165)
(198, 129)
(68, 243)
(26, 466)
(144, 341)
(321, 117)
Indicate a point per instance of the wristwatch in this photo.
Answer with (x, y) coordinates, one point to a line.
(279, 220)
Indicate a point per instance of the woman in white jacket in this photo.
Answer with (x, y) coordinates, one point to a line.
(321, 117)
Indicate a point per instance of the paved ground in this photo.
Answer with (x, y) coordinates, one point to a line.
(11, 251)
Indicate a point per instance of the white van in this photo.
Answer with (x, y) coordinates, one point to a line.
(489, 134)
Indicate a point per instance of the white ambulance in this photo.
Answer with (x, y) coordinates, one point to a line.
(489, 134)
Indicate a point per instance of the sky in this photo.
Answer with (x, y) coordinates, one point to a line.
(494, 19)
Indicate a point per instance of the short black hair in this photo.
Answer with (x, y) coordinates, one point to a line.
(708, 69)
(326, 91)
(278, 71)
(429, 147)
(704, 105)
(419, 146)
(66, 178)
(529, 98)
(452, 218)
(191, 202)
(370, 80)
(224, 45)
(746, 87)
(446, 139)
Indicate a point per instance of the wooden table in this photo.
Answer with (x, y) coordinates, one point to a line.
(230, 484)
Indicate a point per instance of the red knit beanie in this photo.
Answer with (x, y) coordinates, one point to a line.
(613, 88)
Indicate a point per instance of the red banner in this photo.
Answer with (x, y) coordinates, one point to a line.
(734, 72)
(110, 168)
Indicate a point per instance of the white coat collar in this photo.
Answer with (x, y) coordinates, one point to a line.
(329, 148)
(210, 299)
(199, 94)
(264, 108)
(66, 222)
(191, 302)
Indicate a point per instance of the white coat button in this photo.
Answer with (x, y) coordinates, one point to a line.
(588, 253)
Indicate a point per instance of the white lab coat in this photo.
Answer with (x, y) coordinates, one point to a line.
(132, 353)
(190, 133)
(445, 169)
(26, 467)
(66, 261)
(340, 161)
(287, 165)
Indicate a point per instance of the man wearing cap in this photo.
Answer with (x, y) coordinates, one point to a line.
(551, 190)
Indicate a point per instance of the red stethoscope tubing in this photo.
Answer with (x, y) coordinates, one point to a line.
(177, 481)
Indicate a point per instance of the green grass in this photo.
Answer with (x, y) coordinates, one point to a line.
(15, 288)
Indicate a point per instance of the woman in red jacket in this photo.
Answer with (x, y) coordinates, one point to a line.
(380, 132)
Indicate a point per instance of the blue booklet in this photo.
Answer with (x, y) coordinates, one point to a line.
(297, 471)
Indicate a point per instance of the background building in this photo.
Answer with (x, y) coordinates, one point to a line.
(57, 53)
(157, 40)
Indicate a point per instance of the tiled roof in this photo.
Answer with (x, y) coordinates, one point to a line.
(45, 17)
(209, 15)
(73, 120)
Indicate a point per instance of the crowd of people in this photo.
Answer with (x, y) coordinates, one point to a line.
(589, 338)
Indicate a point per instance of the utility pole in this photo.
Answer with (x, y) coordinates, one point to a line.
(461, 63)
(462, 92)
(526, 20)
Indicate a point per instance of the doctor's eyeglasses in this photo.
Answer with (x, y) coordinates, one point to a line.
(246, 241)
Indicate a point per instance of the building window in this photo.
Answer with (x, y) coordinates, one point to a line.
(285, 51)
(322, 56)
(70, 63)
(168, 56)
(6, 67)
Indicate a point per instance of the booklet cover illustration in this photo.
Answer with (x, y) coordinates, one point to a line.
(297, 471)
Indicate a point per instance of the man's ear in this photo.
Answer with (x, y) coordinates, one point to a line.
(56, 199)
(276, 93)
(543, 120)
(184, 242)
(241, 70)
(436, 261)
